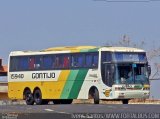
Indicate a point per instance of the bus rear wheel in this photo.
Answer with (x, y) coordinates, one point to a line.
(28, 97)
(38, 97)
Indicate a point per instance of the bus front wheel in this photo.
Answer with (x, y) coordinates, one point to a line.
(28, 97)
(38, 97)
(96, 96)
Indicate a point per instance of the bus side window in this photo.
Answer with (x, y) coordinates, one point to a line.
(56, 62)
(73, 61)
(77, 60)
(88, 60)
(31, 63)
(95, 60)
(80, 61)
(23, 63)
(47, 62)
(66, 62)
(53, 61)
(13, 64)
(59, 61)
(38, 62)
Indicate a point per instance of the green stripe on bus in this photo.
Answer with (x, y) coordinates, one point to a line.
(78, 84)
(89, 50)
(93, 50)
(69, 83)
(75, 80)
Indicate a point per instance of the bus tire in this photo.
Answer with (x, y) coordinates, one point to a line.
(96, 96)
(125, 101)
(28, 97)
(38, 97)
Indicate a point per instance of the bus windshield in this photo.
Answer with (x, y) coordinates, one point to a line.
(131, 74)
(124, 68)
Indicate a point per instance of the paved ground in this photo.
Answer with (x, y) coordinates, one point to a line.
(78, 111)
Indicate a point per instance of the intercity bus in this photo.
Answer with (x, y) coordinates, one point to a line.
(62, 74)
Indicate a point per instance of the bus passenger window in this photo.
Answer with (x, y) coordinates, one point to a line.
(23, 63)
(38, 62)
(59, 62)
(77, 60)
(95, 61)
(80, 61)
(47, 62)
(88, 60)
(56, 62)
(13, 64)
(66, 62)
(31, 63)
(74, 61)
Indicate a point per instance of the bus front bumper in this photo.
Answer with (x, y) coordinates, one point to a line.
(131, 94)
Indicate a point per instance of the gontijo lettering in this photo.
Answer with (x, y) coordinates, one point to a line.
(43, 75)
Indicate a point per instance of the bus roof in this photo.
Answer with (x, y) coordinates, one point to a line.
(106, 48)
(69, 49)
(121, 49)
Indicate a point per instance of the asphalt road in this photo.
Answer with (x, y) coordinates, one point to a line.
(79, 111)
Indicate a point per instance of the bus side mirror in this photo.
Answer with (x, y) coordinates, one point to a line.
(149, 70)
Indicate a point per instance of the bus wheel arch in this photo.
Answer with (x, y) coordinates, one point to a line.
(28, 96)
(94, 94)
(37, 94)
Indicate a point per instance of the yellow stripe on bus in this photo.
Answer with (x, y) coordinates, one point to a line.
(61, 82)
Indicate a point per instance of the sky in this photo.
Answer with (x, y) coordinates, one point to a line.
(40, 24)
